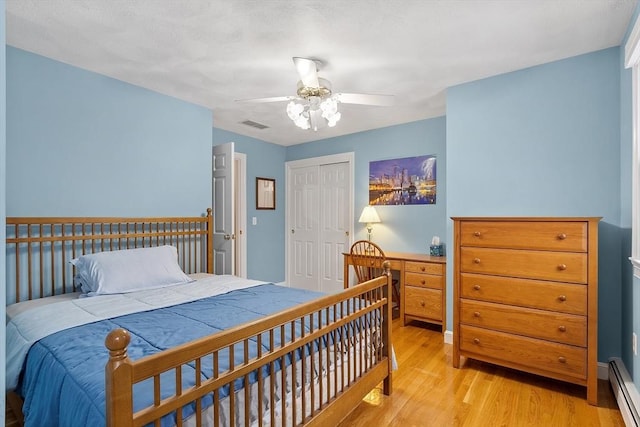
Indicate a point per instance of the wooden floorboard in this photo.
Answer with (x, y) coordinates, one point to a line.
(428, 391)
(10, 420)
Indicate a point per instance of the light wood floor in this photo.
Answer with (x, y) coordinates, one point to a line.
(428, 391)
(10, 419)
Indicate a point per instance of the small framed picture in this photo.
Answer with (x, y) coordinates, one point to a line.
(265, 193)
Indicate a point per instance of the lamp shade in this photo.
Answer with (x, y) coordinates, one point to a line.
(369, 215)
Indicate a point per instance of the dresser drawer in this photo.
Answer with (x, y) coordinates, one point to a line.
(557, 266)
(537, 355)
(423, 302)
(424, 267)
(554, 236)
(564, 328)
(424, 280)
(564, 297)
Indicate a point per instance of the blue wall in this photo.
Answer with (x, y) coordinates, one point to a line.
(266, 239)
(544, 142)
(403, 228)
(630, 292)
(82, 144)
(3, 187)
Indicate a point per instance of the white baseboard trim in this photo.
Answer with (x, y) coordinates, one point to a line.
(603, 371)
(448, 337)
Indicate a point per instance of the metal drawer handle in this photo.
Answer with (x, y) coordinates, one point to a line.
(562, 236)
(562, 298)
(476, 287)
(562, 328)
(476, 340)
(477, 234)
(562, 267)
(562, 359)
(476, 314)
(476, 260)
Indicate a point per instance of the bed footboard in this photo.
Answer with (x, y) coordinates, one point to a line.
(310, 364)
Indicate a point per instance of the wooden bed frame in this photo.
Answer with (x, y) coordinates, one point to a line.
(39, 249)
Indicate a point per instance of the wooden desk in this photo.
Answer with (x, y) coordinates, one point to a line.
(422, 285)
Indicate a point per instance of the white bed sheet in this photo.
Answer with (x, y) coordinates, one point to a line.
(32, 322)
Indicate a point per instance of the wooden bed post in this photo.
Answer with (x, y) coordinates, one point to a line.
(386, 328)
(118, 380)
(209, 241)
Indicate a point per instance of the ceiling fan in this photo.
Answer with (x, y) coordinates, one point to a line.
(315, 105)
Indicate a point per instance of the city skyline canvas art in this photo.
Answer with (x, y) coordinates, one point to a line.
(404, 181)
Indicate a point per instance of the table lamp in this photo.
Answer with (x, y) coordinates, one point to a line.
(369, 216)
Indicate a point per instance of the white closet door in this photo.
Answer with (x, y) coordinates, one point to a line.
(335, 186)
(319, 218)
(303, 227)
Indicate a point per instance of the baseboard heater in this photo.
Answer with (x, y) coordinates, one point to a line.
(625, 392)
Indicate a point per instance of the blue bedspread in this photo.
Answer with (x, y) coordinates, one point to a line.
(63, 380)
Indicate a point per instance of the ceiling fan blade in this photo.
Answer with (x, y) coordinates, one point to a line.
(271, 99)
(307, 70)
(366, 99)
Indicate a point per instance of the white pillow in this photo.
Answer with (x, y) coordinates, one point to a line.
(129, 270)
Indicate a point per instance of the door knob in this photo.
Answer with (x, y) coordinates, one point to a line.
(227, 237)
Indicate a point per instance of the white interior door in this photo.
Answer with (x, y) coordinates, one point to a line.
(335, 186)
(223, 215)
(319, 221)
(303, 227)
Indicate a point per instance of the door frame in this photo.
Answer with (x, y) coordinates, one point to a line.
(348, 158)
(240, 206)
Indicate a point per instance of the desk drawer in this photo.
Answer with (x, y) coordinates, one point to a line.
(547, 325)
(424, 267)
(423, 302)
(424, 280)
(545, 265)
(554, 236)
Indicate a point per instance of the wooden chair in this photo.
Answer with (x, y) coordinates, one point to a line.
(367, 259)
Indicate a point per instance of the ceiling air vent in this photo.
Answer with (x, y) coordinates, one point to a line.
(254, 124)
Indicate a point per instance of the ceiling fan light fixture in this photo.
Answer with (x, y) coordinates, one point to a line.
(294, 110)
(299, 114)
(331, 121)
(299, 111)
(329, 107)
(315, 104)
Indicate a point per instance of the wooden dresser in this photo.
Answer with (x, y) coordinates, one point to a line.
(525, 295)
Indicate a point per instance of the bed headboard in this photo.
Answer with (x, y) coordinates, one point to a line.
(39, 249)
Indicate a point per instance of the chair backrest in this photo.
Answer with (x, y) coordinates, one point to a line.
(367, 259)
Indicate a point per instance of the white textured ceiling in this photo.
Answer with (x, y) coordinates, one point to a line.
(214, 52)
